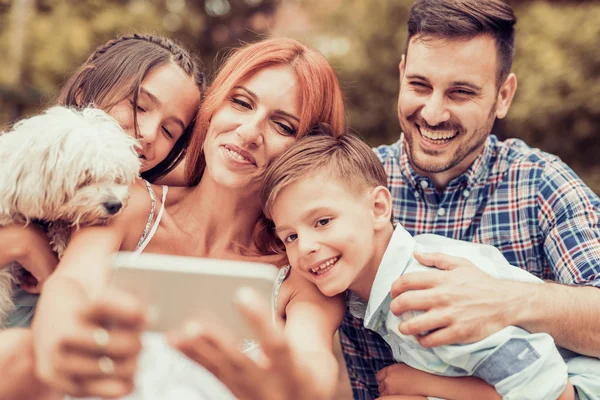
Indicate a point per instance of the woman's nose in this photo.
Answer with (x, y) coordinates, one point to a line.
(251, 132)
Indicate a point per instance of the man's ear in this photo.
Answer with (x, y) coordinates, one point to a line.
(505, 95)
(381, 206)
(402, 66)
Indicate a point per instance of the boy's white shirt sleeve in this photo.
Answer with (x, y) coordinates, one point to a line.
(512, 359)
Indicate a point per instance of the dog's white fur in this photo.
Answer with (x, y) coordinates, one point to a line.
(63, 167)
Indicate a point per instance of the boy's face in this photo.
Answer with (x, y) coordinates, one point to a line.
(328, 231)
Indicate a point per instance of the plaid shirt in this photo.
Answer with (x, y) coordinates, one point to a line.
(527, 203)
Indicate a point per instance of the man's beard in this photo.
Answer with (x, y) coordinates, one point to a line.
(478, 137)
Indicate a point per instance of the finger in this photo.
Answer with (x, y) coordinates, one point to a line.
(438, 260)
(416, 281)
(116, 308)
(214, 348)
(424, 324)
(381, 374)
(382, 388)
(119, 343)
(258, 314)
(441, 337)
(417, 300)
(109, 388)
(81, 367)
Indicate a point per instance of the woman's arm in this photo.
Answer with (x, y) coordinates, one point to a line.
(75, 313)
(28, 245)
(311, 322)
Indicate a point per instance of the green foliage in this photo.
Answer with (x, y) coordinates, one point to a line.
(557, 61)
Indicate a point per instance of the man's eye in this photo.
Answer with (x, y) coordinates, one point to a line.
(241, 103)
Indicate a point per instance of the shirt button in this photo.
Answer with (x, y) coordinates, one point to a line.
(424, 184)
(416, 193)
(441, 212)
(466, 193)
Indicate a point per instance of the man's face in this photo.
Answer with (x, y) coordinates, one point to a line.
(448, 102)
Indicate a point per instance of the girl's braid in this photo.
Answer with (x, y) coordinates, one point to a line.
(179, 55)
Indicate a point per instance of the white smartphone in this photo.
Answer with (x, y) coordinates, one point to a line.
(177, 288)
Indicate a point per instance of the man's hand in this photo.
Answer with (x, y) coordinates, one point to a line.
(461, 303)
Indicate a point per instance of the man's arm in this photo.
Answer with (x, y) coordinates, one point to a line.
(464, 305)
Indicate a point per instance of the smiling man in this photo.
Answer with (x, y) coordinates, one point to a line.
(449, 176)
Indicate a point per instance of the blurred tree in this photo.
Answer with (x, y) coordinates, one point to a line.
(62, 33)
(557, 64)
(557, 59)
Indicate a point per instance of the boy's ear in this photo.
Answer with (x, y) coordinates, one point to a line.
(382, 206)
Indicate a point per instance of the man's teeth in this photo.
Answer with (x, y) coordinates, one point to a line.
(326, 266)
(437, 135)
(236, 155)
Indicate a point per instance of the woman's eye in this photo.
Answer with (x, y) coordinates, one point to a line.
(288, 130)
(290, 238)
(241, 103)
(323, 221)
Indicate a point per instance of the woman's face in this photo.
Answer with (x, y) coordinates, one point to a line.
(257, 121)
(168, 100)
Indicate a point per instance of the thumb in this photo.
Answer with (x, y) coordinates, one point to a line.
(381, 374)
(437, 260)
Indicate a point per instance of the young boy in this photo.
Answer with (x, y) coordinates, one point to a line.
(329, 201)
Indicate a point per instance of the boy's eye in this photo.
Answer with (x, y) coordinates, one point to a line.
(290, 238)
(323, 221)
(241, 103)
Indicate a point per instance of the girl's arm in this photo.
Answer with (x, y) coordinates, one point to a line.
(75, 312)
(28, 245)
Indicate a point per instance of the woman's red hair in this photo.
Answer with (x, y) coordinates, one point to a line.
(321, 99)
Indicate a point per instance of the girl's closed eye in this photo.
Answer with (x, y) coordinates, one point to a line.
(167, 133)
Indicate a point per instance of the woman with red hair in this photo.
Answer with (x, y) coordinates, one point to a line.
(266, 96)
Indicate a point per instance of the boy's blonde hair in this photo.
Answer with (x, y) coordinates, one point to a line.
(346, 159)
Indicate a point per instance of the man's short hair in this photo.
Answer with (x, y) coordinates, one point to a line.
(465, 19)
(346, 159)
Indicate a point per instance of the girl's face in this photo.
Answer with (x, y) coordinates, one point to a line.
(257, 121)
(168, 101)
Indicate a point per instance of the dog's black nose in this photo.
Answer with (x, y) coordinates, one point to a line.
(113, 207)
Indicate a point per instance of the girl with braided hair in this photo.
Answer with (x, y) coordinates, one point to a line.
(152, 86)
(88, 338)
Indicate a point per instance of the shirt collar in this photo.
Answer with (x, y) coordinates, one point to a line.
(471, 176)
(393, 264)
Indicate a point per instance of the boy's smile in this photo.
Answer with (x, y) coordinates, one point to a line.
(328, 231)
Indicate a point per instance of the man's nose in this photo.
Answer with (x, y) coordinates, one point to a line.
(434, 111)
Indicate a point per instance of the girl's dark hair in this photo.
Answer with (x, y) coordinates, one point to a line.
(116, 70)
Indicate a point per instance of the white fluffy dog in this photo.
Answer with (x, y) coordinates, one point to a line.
(63, 168)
